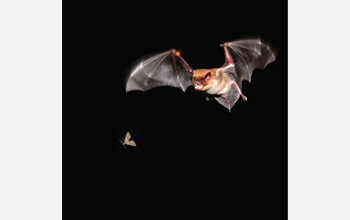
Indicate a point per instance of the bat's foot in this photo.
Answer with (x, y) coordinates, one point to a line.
(207, 98)
(244, 97)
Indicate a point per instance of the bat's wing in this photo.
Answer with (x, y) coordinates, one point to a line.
(164, 69)
(242, 58)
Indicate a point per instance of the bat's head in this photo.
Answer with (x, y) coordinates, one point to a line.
(203, 78)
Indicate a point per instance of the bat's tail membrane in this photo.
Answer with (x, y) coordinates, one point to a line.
(229, 99)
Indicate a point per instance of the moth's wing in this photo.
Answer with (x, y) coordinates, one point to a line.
(247, 55)
(132, 143)
(164, 69)
(128, 141)
(127, 138)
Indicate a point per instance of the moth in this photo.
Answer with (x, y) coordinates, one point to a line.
(127, 141)
(169, 68)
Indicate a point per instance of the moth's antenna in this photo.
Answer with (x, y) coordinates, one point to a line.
(123, 143)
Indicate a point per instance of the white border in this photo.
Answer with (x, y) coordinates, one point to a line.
(318, 110)
(31, 109)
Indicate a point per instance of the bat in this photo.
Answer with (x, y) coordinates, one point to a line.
(169, 68)
(127, 141)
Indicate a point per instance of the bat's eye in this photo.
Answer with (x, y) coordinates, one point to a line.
(207, 76)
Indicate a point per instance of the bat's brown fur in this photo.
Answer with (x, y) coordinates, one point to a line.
(218, 84)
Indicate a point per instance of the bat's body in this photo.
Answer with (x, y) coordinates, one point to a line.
(224, 83)
(217, 84)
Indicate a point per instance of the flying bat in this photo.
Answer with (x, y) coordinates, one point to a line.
(169, 68)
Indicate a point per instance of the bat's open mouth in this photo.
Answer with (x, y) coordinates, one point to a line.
(198, 86)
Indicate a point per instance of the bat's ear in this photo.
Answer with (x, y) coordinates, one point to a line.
(208, 76)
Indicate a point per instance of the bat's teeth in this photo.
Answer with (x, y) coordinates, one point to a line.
(198, 87)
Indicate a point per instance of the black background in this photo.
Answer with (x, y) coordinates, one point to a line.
(194, 158)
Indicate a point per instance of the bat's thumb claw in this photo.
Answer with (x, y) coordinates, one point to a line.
(244, 97)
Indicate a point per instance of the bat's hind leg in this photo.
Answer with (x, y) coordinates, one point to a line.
(244, 97)
(239, 90)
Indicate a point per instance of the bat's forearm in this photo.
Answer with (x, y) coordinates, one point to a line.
(228, 58)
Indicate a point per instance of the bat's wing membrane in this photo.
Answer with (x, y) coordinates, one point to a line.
(247, 55)
(164, 69)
